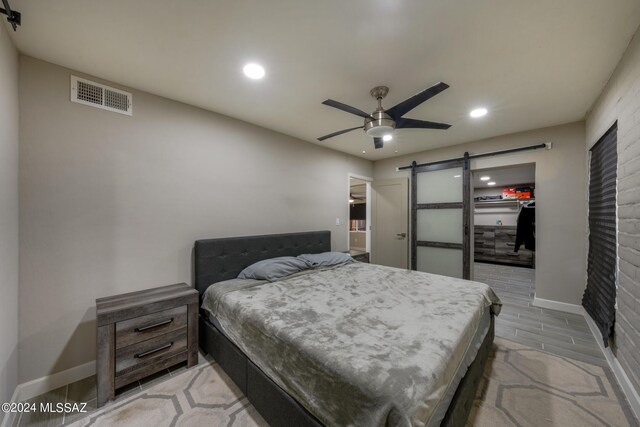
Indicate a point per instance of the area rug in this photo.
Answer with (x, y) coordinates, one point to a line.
(201, 396)
(521, 387)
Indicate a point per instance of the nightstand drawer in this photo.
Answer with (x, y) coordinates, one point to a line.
(142, 328)
(147, 352)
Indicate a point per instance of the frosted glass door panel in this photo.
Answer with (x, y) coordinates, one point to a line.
(446, 262)
(439, 225)
(443, 186)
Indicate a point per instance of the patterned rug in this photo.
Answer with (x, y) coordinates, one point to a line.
(201, 396)
(522, 386)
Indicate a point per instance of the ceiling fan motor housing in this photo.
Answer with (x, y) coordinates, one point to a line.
(381, 126)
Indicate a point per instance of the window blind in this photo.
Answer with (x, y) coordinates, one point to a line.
(599, 298)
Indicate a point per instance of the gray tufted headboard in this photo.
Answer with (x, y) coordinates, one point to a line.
(223, 259)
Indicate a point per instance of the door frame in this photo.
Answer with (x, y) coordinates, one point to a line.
(368, 180)
(465, 205)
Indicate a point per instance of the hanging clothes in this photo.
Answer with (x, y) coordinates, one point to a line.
(526, 229)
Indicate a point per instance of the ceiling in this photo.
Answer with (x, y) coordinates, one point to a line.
(512, 175)
(532, 64)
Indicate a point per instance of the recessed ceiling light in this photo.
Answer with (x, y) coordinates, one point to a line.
(457, 176)
(491, 183)
(253, 71)
(388, 137)
(478, 112)
(364, 152)
(485, 178)
(396, 151)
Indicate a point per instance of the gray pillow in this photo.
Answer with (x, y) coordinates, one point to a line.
(326, 259)
(274, 268)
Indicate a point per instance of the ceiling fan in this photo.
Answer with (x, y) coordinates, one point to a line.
(382, 122)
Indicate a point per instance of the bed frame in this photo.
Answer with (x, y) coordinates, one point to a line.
(223, 259)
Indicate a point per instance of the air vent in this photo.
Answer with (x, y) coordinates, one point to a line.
(97, 95)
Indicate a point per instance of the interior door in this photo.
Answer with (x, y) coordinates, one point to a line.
(440, 218)
(390, 221)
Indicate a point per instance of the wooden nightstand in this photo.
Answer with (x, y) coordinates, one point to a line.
(359, 255)
(141, 333)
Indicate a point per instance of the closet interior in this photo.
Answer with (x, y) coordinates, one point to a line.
(504, 215)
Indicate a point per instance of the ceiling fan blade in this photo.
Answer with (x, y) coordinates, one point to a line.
(378, 143)
(340, 132)
(409, 104)
(347, 108)
(419, 124)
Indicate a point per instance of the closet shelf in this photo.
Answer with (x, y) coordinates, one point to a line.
(497, 203)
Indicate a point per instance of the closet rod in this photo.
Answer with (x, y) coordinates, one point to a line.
(546, 145)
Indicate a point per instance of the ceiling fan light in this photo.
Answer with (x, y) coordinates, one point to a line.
(379, 131)
(388, 137)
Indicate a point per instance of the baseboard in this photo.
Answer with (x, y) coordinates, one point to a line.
(45, 384)
(557, 305)
(627, 387)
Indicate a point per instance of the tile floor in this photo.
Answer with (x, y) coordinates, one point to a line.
(553, 331)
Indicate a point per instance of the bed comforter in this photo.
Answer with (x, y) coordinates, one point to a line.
(356, 344)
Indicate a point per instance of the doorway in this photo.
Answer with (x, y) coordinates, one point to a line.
(359, 228)
(504, 231)
(390, 223)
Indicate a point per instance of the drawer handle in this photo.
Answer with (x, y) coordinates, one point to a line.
(155, 350)
(155, 325)
(510, 244)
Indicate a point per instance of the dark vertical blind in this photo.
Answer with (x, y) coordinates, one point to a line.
(599, 298)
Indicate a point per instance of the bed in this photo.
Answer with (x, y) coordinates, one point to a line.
(301, 372)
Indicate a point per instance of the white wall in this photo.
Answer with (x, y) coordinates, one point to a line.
(8, 216)
(621, 101)
(111, 203)
(561, 220)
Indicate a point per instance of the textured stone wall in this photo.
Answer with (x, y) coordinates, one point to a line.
(621, 101)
